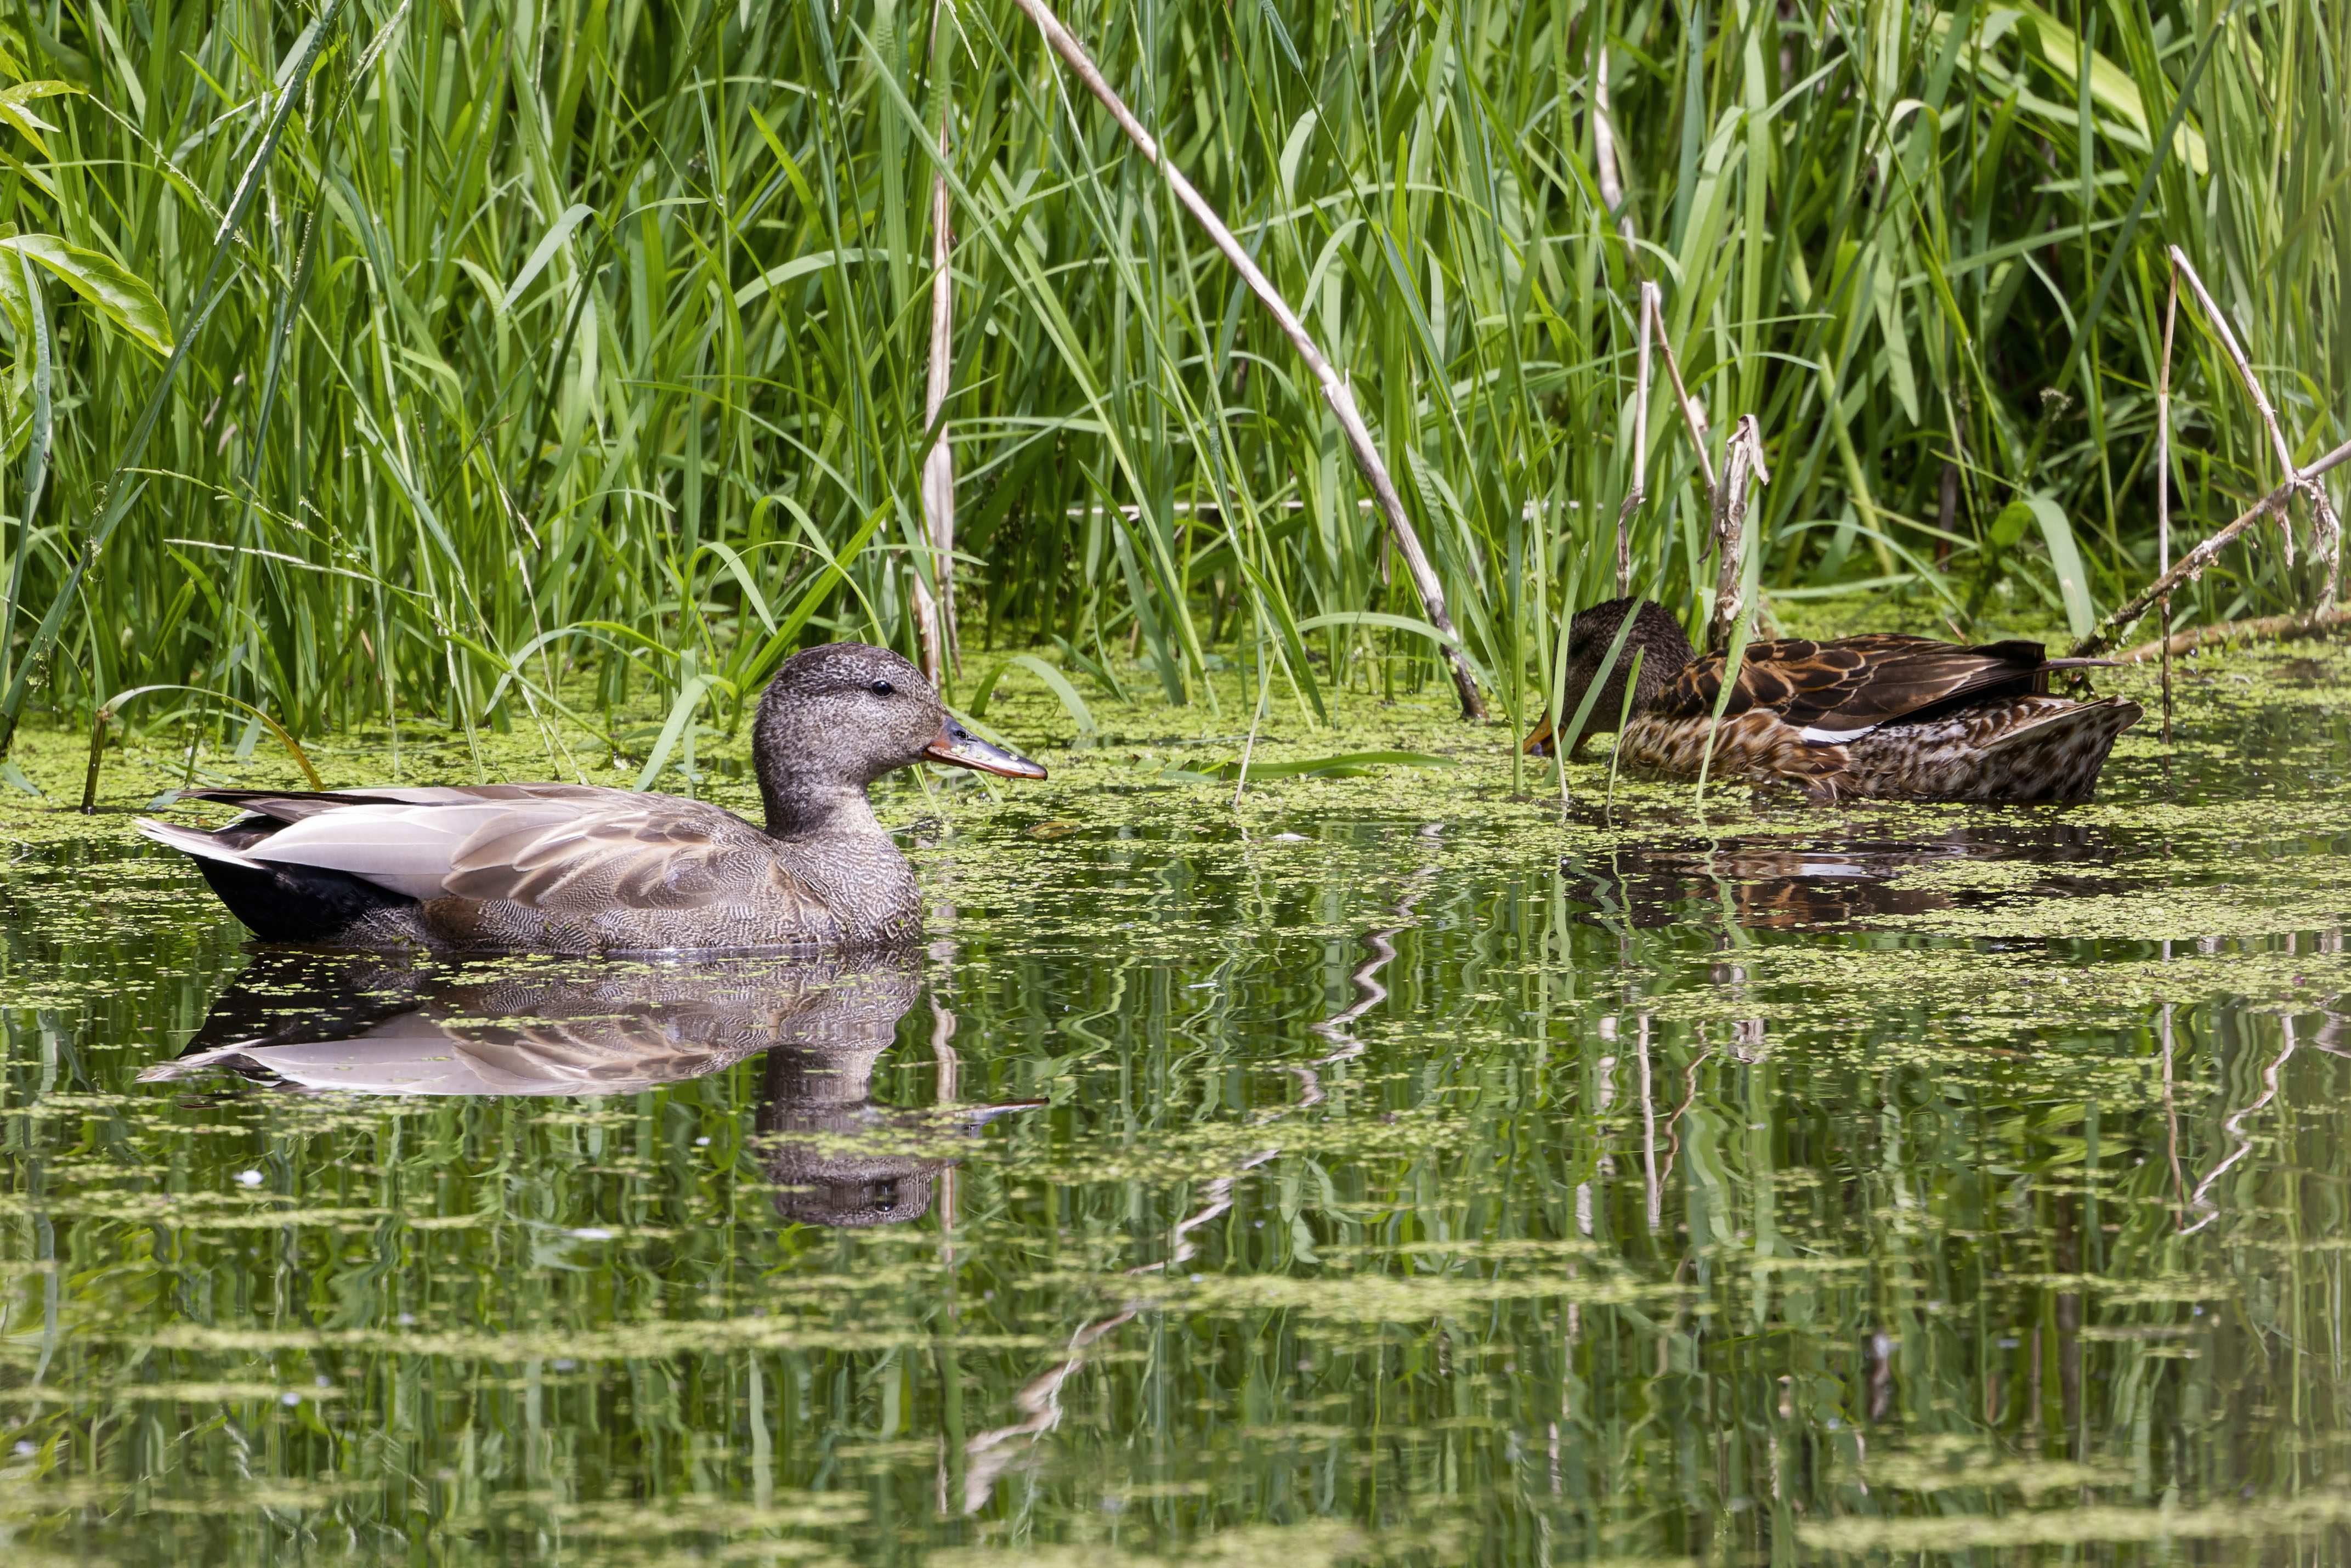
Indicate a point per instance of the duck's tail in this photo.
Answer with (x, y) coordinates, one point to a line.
(2058, 756)
(197, 842)
(287, 903)
(2107, 717)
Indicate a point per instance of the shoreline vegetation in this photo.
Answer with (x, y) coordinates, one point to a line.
(1118, 764)
(510, 371)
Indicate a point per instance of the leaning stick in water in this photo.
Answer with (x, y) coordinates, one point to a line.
(1334, 386)
(2262, 629)
(2102, 635)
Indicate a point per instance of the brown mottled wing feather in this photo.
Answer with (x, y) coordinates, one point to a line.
(653, 852)
(1853, 683)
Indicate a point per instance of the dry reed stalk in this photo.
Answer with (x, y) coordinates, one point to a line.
(1604, 153)
(1693, 415)
(2329, 529)
(1612, 193)
(1334, 387)
(935, 613)
(2163, 484)
(1638, 492)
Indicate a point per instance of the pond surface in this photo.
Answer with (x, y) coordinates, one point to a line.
(1393, 1171)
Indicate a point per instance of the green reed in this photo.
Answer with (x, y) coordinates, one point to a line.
(560, 356)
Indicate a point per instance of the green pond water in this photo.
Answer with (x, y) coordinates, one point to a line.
(1392, 1170)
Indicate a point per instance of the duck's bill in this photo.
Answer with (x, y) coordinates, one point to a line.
(958, 748)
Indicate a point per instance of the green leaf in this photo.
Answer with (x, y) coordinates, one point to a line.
(2072, 582)
(2010, 525)
(14, 112)
(1060, 683)
(1394, 622)
(544, 252)
(983, 693)
(681, 714)
(801, 266)
(121, 295)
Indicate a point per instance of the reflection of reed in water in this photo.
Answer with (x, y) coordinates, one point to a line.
(818, 1108)
(316, 1023)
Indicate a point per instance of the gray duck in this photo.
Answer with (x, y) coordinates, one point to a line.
(1882, 714)
(576, 869)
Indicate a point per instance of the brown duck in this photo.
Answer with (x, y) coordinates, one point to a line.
(1882, 714)
(572, 868)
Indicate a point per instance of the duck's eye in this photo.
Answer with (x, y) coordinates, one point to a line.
(882, 688)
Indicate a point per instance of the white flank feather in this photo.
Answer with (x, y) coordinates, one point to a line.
(407, 848)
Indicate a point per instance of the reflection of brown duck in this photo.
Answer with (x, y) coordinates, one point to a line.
(1850, 879)
(1875, 716)
(320, 1023)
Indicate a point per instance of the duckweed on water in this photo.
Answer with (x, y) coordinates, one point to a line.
(1397, 1168)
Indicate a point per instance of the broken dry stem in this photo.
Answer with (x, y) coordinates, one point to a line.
(1637, 492)
(2329, 527)
(1742, 468)
(2203, 555)
(2261, 629)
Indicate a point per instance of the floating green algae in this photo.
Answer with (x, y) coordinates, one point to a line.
(1400, 1167)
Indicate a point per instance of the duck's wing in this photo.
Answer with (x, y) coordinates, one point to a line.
(562, 848)
(1840, 691)
(659, 851)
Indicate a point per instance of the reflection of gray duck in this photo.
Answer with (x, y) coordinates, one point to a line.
(359, 1024)
(568, 868)
(311, 1022)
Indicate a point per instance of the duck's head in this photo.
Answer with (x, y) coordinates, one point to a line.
(1657, 637)
(838, 717)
